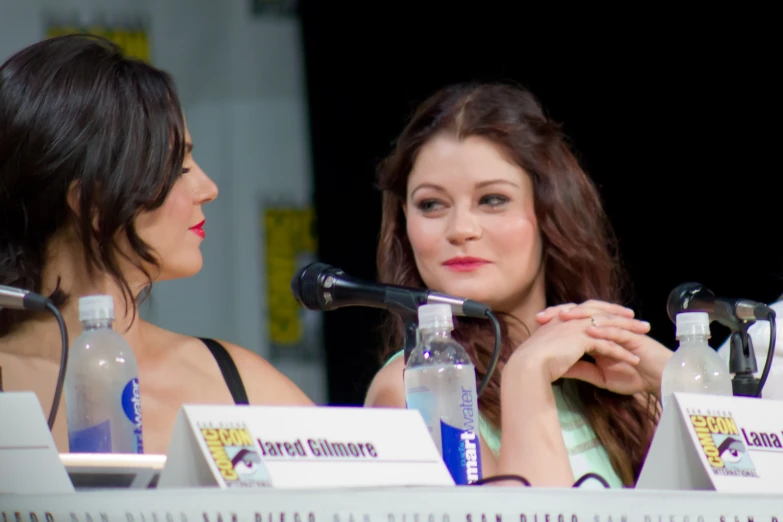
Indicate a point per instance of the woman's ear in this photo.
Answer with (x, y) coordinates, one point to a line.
(74, 197)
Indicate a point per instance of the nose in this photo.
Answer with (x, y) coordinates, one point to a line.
(206, 189)
(463, 226)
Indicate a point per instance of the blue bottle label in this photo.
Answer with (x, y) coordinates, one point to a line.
(95, 439)
(461, 453)
(423, 400)
(131, 405)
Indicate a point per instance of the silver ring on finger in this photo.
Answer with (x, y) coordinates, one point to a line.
(593, 321)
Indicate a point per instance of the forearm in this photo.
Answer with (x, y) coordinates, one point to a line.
(532, 442)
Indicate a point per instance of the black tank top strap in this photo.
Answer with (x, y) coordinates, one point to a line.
(229, 370)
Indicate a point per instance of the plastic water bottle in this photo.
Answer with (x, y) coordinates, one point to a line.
(440, 382)
(695, 367)
(102, 398)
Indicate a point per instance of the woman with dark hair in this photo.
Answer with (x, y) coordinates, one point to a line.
(100, 194)
(483, 199)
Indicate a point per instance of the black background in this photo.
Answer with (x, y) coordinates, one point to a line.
(672, 119)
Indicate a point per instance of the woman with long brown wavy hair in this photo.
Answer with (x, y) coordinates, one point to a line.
(483, 199)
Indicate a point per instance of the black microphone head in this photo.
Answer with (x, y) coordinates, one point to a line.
(681, 295)
(304, 284)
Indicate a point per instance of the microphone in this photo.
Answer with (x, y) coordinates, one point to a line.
(18, 299)
(319, 286)
(695, 297)
(737, 315)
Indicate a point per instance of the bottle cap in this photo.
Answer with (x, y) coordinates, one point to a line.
(435, 316)
(693, 323)
(92, 307)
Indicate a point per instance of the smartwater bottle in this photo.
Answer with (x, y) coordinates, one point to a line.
(440, 382)
(102, 398)
(695, 367)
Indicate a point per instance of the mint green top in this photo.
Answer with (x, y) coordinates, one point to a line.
(584, 450)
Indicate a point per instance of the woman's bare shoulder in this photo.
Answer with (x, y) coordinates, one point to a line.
(387, 389)
(264, 383)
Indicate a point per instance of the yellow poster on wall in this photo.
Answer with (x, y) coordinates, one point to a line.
(290, 243)
(132, 38)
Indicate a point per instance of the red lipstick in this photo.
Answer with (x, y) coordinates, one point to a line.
(465, 264)
(199, 229)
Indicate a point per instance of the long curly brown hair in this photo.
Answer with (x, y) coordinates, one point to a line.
(579, 248)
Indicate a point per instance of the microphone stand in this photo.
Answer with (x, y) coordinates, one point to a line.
(742, 361)
(411, 323)
(742, 357)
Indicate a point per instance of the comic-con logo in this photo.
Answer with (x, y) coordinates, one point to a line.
(236, 456)
(722, 444)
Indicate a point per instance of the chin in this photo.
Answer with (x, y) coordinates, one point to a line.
(181, 270)
(477, 292)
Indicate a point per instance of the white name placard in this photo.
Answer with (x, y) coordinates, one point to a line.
(301, 447)
(728, 444)
(29, 462)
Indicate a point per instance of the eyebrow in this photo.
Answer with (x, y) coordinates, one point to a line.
(188, 148)
(496, 181)
(479, 185)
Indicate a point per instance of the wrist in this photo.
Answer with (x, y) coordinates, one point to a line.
(654, 383)
(526, 371)
(526, 362)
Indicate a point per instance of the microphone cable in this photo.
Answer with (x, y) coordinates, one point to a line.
(495, 353)
(58, 389)
(526, 483)
(771, 351)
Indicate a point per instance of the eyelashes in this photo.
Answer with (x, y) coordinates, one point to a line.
(494, 201)
(428, 205)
